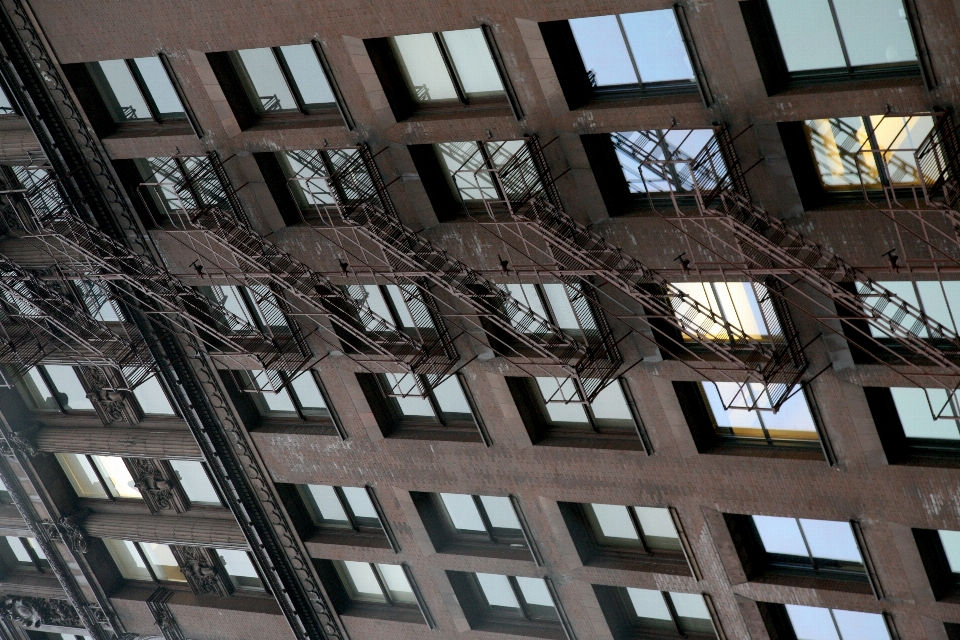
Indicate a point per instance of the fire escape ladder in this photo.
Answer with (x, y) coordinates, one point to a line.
(772, 362)
(370, 208)
(206, 202)
(767, 242)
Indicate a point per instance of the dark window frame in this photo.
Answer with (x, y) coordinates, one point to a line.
(898, 448)
(943, 582)
(579, 91)
(8, 558)
(343, 604)
(777, 79)
(55, 395)
(624, 623)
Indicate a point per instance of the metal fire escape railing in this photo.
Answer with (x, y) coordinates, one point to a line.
(357, 192)
(83, 252)
(200, 201)
(768, 246)
(526, 192)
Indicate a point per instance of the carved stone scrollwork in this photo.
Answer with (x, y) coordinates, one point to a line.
(35, 612)
(23, 441)
(105, 391)
(158, 484)
(68, 530)
(163, 616)
(203, 571)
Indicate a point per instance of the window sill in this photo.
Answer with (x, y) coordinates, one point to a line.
(488, 550)
(451, 433)
(394, 613)
(296, 120)
(816, 582)
(591, 440)
(669, 564)
(550, 631)
(933, 459)
(819, 84)
(788, 451)
(498, 109)
(313, 427)
(688, 94)
(151, 130)
(348, 538)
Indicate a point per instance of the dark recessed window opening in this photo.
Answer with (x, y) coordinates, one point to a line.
(630, 55)
(648, 170)
(802, 552)
(940, 552)
(641, 614)
(508, 604)
(917, 426)
(473, 525)
(275, 86)
(54, 388)
(554, 415)
(444, 412)
(813, 42)
(315, 197)
(627, 537)
(137, 90)
(799, 621)
(733, 417)
(373, 590)
(22, 553)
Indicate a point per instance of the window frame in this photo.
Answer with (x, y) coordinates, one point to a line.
(54, 393)
(900, 449)
(778, 79)
(777, 621)
(944, 582)
(148, 564)
(40, 565)
(621, 616)
(331, 573)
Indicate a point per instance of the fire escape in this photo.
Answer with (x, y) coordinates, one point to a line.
(727, 222)
(349, 189)
(519, 188)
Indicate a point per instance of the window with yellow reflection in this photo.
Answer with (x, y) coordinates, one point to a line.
(98, 476)
(868, 152)
(742, 411)
(146, 561)
(735, 310)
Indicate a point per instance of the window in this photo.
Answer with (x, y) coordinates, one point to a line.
(54, 388)
(152, 396)
(238, 566)
(307, 179)
(562, 305)
(373, 590)
(440, 71)
(833, 624)
(444, 412)
(144, 560)
(627, 55)
(627, 537)
(738, 304)
(940, 552)
(98, 301)
(553, 413)
(470, 166)
(98, 476)
(507, 604)
(339, 510)
(196, 483)
(137, 90)
(940, 301)
(487, 526)
(394, 307)
(741, 414)
(645, 613)
(6, 104)
(802, 552)
(302, 397)
(24, 553)
(915, 425)
(386, 583)
(856, 153)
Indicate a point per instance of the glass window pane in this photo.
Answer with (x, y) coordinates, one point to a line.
(875, 31)
(534, 591)
(614, 521)
(117, 476)
(36, 548)
(19, 551)
(81, 475)
(268, 82)
(690, 605)
(6, 105)
(411, 405)
(838, 146)
(603, 50)
(423, 68)
(449, 395)
(308, 75)
(831, 539)
(130, 103)
(305, 386)
(856, 625)
(473, 62)
(467, 171)
(780, 535)
(793, 420)
(396, 582)
(326, 502)
(195, 482)
(657, 45)
(940, 301)
(272, 400)
(403, 313)
(734, 302)
(128, 559)
(496, 589)
(158, 84)
(37, 391)
(152, 398)
(563, 313)
(808, 37)
(951, 547)
(71, 392)
(462, 511)
(500, 512)
(610, 404)
(656, 522)
(359, 501)
(363, 582)
(162, 561)
(915, 408)
(554, 393)
(812, 623)
(648, 603)
(239, 568)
